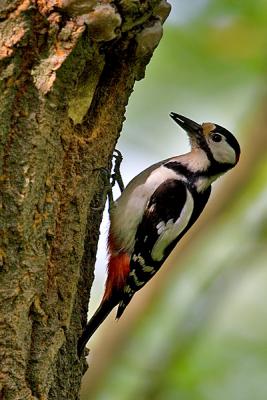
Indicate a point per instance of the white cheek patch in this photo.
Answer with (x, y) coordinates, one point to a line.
(172, 229)
(222, 152)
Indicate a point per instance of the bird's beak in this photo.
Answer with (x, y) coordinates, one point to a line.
(192, 128)
(187, 124)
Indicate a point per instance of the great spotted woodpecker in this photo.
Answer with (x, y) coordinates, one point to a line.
(155, 211)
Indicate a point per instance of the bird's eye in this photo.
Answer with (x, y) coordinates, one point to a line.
(216, 137)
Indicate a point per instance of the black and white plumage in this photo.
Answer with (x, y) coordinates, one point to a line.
(171, 211)
(155, 211)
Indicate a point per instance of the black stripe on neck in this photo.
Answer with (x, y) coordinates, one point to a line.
(214, 169)
(204, 146)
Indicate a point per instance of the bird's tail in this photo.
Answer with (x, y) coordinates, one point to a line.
(99, 316)
(118, 270)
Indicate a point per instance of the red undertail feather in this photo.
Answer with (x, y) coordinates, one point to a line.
(118, 268)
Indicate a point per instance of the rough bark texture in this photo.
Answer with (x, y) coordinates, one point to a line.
(67, 68)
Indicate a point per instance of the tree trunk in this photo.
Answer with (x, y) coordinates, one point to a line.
(67, 69)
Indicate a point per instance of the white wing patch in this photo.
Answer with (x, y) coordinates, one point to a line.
(162, 227)
(169, 231)
(140, 260)
(135, 278)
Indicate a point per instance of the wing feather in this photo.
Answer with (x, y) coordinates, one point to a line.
(171, 211)
(165, 216)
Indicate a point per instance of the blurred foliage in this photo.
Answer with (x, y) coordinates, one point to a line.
(210, 67)
(204, 335)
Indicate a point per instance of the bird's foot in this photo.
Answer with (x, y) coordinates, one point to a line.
(110, 179)
(116, 175)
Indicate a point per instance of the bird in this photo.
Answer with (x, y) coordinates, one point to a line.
(155, 211)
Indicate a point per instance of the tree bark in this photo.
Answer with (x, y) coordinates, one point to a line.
(67, 69)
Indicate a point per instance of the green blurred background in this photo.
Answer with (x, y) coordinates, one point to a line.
(198, 330)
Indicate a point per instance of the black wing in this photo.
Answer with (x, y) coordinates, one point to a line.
(172, 209)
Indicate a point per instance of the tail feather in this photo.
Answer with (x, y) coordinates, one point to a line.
(99, 316)
(118, 270)
(121, 308)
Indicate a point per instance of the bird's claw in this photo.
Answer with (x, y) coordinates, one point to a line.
(110, 180)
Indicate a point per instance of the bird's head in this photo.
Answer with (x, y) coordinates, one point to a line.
(220, 145)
